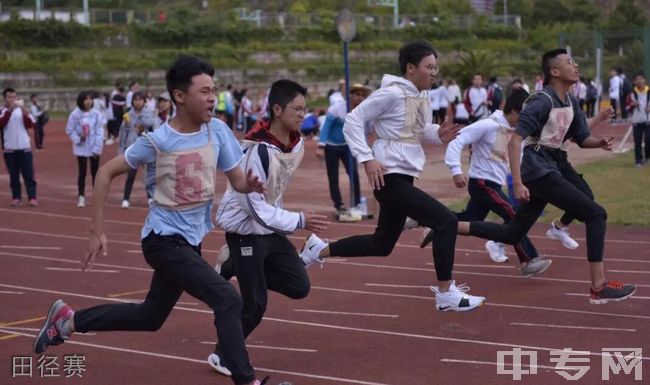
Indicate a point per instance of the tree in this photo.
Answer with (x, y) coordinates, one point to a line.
(626, 15)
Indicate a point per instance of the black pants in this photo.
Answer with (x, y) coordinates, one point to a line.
(591, 108)
(641, 130)
(39, 133)
(82, 162)
(114, 127)
(552, 188)
(20, 162)
(623, 109)
(614, 104)
(397, 200)
(128, 185)
(570, 174)
(334, 154)
(262, 263)
(178, 266)
(486, 196)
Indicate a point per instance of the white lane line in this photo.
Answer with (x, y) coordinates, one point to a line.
(399, 286)
(37, 329)
(346, 313)
(451, 360)
(270, 347)
(11, 292)
(78, 270)
(366, 265)
(342, 263)
(31, 247)
(572, 327)
(187, 303)
(587, 295)
(38, 257)
(472, 265)
(202, 361)
(629, 271)
(372, 331)
(529, 236)
(431, 298)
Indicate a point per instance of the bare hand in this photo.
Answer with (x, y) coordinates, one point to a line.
(607, 143)
(320, 152)
(254, 183)
(375, 173)
(521, 192)
(315, 222)
(460, 180)
(448, 131)
(97, 244)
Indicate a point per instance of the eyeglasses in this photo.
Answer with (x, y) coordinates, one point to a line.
(433, 69)
(570, 62)
(300, 110)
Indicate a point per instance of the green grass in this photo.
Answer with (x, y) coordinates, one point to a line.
(622, 189)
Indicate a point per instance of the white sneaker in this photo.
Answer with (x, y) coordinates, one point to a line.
(535, 266)
(215, 362)
(426, 237)
(149, 202)
(410, 224)
(82, 201)
(110, 141)
(563, 236)
(311, 250)
(455, 298)
(125, 204)
(222, 256)
(497, 251)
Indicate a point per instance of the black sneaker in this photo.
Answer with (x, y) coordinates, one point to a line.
(50, 333)
(611, 291)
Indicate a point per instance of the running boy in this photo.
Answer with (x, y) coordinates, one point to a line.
(401, 110)
(188, 150)
(261, 255)
(544, 174)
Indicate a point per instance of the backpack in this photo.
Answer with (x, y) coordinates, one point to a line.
(626, 86)
(592, 92)
(497, 97)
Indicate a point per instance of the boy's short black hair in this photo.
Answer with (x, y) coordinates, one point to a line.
(515, 101)
(180, 74)
(413, 53)
(639, 74)
(283, 92)
(7, 90)
(32, 96)
(548, 62)
(83, 95)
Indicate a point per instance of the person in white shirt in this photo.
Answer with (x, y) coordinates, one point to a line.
(434, 99)
(258, 251)
(444, 101)
(539, 82)
(41, 116)
(85, 128)
(17, 147)
(614, 91)
(488, 173)
(401, 110)
(133, 88)
(475, 100)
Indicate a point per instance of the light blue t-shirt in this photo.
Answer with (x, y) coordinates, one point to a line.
(194, 223)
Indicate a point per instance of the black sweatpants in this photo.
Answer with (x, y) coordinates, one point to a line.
(334, 154)
(486, 196)
(262, 263)
(399, 199)
(178, 266)
(20, 162)
(559, 191)
(82, 162)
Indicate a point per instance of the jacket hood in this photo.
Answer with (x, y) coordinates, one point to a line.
(390, 80)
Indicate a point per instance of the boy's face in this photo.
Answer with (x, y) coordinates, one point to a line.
(424, 74)
(477, 80)
(198, 100)
(639, 81)
(10, 99)
(356, 98)
(566, 69)
(163, 105)
(293, 113)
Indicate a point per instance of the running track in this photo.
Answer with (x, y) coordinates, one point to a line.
(366, 321)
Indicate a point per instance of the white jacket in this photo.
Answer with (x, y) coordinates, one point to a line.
(482, 136)
(251, 214)
(93, 144)
(386, 107)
